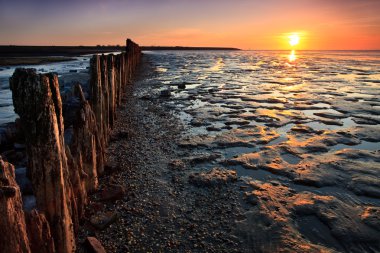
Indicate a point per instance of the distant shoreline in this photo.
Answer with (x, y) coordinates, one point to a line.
(157, 48)
(33, 55)
(33, 60)
(29, 51)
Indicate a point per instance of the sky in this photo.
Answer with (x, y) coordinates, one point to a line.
(245, 24)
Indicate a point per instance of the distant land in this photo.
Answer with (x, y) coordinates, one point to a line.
(20, 55)
(153, 48)
(26, 51)
(30, 51)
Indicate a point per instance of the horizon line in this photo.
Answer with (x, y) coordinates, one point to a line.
(211, 47)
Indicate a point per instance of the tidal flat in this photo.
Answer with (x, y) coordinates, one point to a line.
(248, 152)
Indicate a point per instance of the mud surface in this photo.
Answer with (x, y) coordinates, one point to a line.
(224, 152)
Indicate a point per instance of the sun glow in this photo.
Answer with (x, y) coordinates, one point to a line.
(294, 39)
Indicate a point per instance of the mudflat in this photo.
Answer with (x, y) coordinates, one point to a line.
(244, 152)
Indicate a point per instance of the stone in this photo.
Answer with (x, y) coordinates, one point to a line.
(94, 246)
(177, 165)
(213, 129)
(182, 86)
(165, 93)
(113, 192)
(103, 220)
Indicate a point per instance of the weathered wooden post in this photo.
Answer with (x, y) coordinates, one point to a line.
(13, 238)
(37, 101)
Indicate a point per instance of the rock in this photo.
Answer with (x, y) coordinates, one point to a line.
(102, 220)
(182, 86)
(113, 192)
(94, 246)
(199, 122)
(146, 97)
(176, 165)
(73, 71)
(213, 129)
(165, 93)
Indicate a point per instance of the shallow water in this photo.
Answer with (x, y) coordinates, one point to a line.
(322, 107)
(7, 113)
(344, 84)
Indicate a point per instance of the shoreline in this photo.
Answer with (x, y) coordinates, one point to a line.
(14, 61)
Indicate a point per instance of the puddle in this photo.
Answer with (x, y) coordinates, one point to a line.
(277, 141)
(235, 151)
(258, 174)
(291, 159)
(364, 145)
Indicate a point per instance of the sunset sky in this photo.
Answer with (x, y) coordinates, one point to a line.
(246, 24)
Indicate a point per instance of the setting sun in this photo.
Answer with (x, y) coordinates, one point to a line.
(294, 39)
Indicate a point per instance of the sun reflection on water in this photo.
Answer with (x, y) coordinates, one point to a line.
(217, 65)
(292, 56)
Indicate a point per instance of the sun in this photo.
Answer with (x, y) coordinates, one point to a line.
(294, 39)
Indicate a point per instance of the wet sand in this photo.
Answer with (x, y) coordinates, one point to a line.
(250, 176)
(160, 211)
